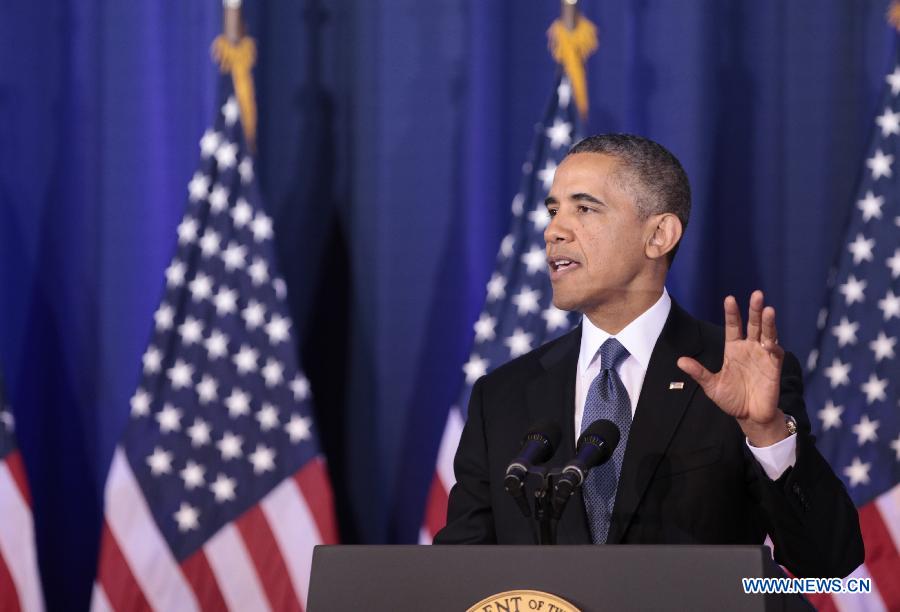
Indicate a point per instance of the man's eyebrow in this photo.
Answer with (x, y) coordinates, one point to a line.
(550, 200)
(585, 197)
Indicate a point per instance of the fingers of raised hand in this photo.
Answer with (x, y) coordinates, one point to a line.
(754, 316)
(695, 370)
(733, 321)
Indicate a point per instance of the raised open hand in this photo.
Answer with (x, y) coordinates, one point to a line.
(747, 387)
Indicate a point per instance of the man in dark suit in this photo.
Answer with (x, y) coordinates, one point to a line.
(705, 458)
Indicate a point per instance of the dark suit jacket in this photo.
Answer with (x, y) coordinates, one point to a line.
(687, 476)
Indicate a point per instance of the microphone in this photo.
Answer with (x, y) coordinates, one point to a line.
(537, 446)
(595, 447)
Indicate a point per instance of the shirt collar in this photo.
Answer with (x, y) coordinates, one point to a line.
(638, 337)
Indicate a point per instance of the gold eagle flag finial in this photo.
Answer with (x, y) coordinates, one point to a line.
(571, 44)
(893, 14)
(236, 53)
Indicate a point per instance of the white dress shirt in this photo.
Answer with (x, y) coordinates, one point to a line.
(639, 337)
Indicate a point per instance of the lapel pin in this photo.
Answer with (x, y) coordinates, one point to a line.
(676, 385)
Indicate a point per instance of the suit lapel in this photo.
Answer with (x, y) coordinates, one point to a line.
(552, 394)
(659, 410)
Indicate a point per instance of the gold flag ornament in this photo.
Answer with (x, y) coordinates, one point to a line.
(571, 47)
(238, 59)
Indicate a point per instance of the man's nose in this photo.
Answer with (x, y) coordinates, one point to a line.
(558, 229)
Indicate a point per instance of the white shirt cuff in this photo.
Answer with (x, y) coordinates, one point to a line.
(777, 458)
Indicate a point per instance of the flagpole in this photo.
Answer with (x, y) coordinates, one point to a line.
(231, 20)
(569, 9)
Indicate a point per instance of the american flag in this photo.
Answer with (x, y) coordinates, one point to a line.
(518, 313)
(20, 583)
(853, 390)
(217, 492)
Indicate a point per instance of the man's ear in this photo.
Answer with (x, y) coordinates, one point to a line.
(665, 232)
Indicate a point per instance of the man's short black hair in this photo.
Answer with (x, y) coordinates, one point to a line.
(648, 171)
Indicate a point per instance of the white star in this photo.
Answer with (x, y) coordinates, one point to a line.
(261, 227)
(830, 415)
(845, 331)
(242, 213)
(234, 256)
(191, 331)
(895, 444)
(890, 305)
(152, 360)
(245, 360)
(278, 328)
(225, 301)
(175, 273)
(238, 403)
(199, 432)
(894, 264)
(226, 155)
(822, 319)
(200, 287)
(484, 327)
(163, 317)
(263, 459)
(300, 387)
(198, 187)
(209, 143)
(861, 249)
(883, 347)
(181, 374)
(874, 388)
(560, 133)
(857, 472)
(259, 272)
(547, 173)
(519, 343)
(506, 245)
(298, 428)
(838, 373)
(893, 80)
(853, 290)
(209, 244)
(564, 92)
(223, 488)
(889, 122)
(865, 430)
(280, 288)
(231, 111)
(880, 164)
(8, 420)
(216, 345)
(555, 318)
(518, 204)
(526, 301)
(267, 417)
(160, 462)
(539, 217)
(245, 168)
(230, 446)
(187, 230)
(169, 419)
(475, 368)
(207, 389)
(254, 314)
(812, 360)
(187, 517)
(273, 373)
(535, 260)
(140, 403)
(218, 199)
(496, 287)
(871, 205)
(192, 474)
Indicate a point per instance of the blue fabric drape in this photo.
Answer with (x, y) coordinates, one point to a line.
(391, 138)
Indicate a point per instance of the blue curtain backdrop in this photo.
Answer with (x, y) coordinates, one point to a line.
(391, 138)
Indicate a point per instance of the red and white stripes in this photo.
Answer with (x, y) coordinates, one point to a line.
(436, 506)
(261, 561)
(20, 584)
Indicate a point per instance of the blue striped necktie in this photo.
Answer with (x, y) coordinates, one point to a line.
(606, 399)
